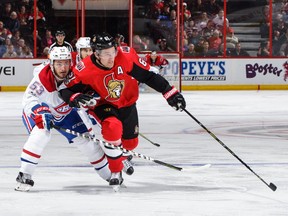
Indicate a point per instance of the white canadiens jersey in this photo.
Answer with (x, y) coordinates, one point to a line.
(43, 89)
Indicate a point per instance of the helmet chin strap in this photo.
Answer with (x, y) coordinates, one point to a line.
(58, 79)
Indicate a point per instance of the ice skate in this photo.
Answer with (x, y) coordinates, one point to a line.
(24, 182)
(116, 181)
(128, 167)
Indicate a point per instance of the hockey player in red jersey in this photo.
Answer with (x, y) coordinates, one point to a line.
(114, 72)
(156, 60)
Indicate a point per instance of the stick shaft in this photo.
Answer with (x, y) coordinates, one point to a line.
(85, 136)
(153, 143)
(271, 185)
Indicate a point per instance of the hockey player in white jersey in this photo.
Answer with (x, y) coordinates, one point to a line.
(83, 48)
(43, 106)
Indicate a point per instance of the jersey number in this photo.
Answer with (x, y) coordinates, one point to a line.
(141, 61)
(37, 87)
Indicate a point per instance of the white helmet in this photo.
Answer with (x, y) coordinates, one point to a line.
(59, 53)
(83, 42)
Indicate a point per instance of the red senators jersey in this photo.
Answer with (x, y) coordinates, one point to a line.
(160, 61)
(116, 86)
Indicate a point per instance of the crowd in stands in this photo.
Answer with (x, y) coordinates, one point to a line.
(279, 28)
(202, 33)
(202, 29)
(17, 28)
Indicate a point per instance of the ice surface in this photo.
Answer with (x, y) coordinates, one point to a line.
(254, 125)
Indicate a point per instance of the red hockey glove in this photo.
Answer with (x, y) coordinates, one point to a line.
(175, 99)
(42, 116)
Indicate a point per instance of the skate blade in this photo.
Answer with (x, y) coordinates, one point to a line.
(22, 187)
(116, 188)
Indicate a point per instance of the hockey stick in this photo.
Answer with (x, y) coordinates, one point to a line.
(153, 143)
(272, 186)
(109, 145)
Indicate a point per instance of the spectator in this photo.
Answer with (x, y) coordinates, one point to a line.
(281, 27)
(60, 41)
(26, 52)
(191, 51)
(45, 52)
(189, 27)
(206, 52)
(4, 46)
(156, 9)
(163, 45)
(200, 45)
(184, 45)
(47, 40)
(16, 37)
(5, 14)
(238, 51)
(10, 53)
(265, 29)
(215, 41)
(172, 5)
(264, 49)
(19, 46)
(40, 19)
(30, 40)
(202, 22)
(275, 42)
(194, 38)
(207, 32)
(186, 12)
(231, 39)
(23, 16)
(219, 21)
(13, 23)
(4, 32)
(284, 50)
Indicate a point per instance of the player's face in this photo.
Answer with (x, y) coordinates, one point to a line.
(107, 57)
(60, 38)
(61, 68)
(85, 52)
(153, 57)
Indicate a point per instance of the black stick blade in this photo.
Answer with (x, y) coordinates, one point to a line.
(156, 144)
(272, 186)
(168, 165)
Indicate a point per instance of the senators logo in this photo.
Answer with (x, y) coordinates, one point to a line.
(114, 87)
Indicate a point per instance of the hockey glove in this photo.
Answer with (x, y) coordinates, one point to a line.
(42, 116)
(83, 101)
(175, 99)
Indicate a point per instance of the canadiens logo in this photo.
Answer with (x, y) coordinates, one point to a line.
(63, 109)
(114, 87)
